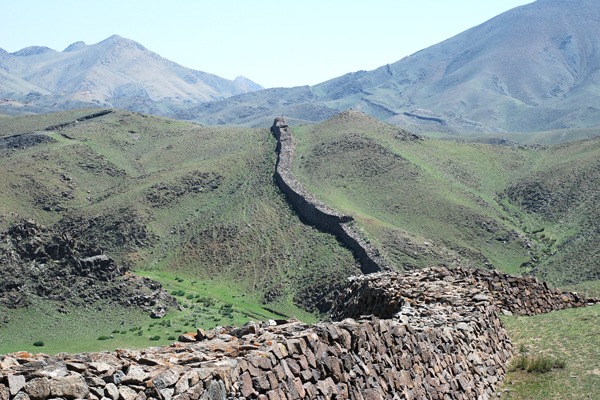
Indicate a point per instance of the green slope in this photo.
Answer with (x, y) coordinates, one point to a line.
(178, 201)
(438, 201)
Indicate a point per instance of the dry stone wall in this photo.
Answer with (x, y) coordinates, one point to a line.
(315, 212)
(386, 294)
(430, 334)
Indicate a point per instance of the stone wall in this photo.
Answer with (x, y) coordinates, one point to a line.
(314, 212)
(367, 359)
(387, 294)
(433, 334)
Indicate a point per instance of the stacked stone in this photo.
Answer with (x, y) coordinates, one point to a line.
(384, 294)
(368, 359)
(315, 212)
(433, 334)
(524, 295)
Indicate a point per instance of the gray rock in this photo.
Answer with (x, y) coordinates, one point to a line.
(118, 377)
(98, 392)
(111, 391)
(135, 375)
(215, 391)
(166, 394)
(70, 387)
(21, 396)
(165, 379)
(463, 326)
(15, 383)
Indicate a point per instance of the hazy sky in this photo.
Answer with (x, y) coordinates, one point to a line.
(274, 43)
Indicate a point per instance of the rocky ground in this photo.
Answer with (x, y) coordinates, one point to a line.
(38, 262)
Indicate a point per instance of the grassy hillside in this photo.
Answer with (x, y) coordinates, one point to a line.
(516, 208)
(571, 337)
(178, 201)
(195, 208)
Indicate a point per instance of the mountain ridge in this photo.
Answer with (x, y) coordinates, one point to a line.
(115, 72)
(532, 68)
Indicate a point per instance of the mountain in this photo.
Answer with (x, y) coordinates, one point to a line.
(533, 68)
(115, 72)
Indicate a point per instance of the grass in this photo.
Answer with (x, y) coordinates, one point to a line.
(558, 355)
(455, 196)
(235, 251)
(239, 242)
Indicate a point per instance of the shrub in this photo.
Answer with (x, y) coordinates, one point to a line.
(156, 337)
(39, 343)
(171, 338)
(539, 363)
(103, 337)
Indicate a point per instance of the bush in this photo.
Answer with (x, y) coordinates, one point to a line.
(103, 337)
(39, 343)
(156, 337)
(540, 364)
(171, 338)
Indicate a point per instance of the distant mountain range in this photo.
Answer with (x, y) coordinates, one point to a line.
(115, 72)
(533, 68)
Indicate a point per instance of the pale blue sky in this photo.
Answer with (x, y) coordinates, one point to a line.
(274, 43)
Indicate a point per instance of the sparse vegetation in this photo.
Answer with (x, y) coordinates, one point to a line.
(537, 363)
(557, 355)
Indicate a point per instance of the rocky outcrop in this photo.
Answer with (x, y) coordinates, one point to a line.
(38, 262)
(24, 140)
(433, 333)
(315, 212)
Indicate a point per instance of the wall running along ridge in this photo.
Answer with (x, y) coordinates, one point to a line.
(432, 334)
(315, 212)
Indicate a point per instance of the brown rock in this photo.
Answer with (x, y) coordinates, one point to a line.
(38, 389)
(246, 385)
(70, 387)
(182, 384)
(127, 393)
(188, 337)
(4, 392)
